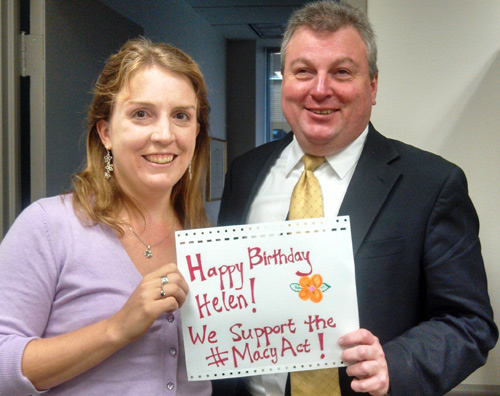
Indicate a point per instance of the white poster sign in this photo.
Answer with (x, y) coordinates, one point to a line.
(267, 298)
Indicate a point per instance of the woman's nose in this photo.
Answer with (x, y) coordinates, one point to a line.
(163, 132)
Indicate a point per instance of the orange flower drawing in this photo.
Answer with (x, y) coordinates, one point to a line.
(311, 288)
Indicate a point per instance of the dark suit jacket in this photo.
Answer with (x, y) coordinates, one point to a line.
(420, 276)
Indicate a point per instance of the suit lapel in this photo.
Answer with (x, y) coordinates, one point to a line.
(267, 162)
(370, 185)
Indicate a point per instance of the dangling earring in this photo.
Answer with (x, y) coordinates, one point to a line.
(108, 165)
(190, 172)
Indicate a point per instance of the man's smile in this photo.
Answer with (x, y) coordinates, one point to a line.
(322, 112)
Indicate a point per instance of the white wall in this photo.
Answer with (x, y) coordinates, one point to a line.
(439, 89)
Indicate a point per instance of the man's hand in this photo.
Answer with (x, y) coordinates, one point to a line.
(366, 362)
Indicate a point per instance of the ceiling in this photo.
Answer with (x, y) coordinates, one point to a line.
(247, 19)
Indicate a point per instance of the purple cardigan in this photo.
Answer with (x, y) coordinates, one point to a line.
(57, 275)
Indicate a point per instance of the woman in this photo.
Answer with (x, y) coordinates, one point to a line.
(88, 286)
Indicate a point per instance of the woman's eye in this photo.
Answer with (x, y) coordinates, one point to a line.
(140, 114)
(182, 116)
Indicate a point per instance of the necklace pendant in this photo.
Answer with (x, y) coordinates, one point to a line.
(148, 253)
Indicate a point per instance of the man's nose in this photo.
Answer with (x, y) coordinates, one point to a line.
(322, 87)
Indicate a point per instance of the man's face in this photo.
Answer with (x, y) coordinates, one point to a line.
(327, 93)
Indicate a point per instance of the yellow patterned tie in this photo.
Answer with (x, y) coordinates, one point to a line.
(307, 202)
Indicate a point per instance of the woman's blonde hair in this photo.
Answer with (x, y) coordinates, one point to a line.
(99, 200)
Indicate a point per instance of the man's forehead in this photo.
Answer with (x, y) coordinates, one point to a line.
(303, 48)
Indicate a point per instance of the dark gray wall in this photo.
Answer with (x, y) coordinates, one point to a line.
(176, 23)
(241, 97)
(80, 35)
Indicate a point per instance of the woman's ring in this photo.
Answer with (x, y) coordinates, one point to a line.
(164, 280)
(162, 293)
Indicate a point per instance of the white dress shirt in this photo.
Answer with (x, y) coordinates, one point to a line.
(273, 200)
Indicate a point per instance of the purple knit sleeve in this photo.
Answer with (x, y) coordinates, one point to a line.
(28, 275)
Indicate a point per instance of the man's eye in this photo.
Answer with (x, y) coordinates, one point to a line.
(303, 73)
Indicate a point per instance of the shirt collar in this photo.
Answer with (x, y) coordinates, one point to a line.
(340, 162)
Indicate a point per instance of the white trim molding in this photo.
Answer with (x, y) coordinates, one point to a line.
(35, 68)
(9, 114)
(475, 390)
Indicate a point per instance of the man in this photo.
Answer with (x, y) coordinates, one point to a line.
(425, 316)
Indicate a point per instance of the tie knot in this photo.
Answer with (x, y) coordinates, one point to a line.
(311, 162)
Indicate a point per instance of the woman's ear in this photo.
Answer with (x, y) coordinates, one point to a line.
(103, 130)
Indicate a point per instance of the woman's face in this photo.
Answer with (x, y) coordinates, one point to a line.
(152, 131)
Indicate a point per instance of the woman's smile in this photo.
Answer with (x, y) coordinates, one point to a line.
(160, 158)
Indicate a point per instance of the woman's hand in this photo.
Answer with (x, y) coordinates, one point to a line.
(74, 353)
(146, 303)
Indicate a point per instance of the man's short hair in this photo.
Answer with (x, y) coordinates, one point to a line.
(330, 16)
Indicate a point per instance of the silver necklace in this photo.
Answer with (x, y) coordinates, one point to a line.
(148, 253)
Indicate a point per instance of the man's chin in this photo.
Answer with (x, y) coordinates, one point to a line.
(320, 144)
